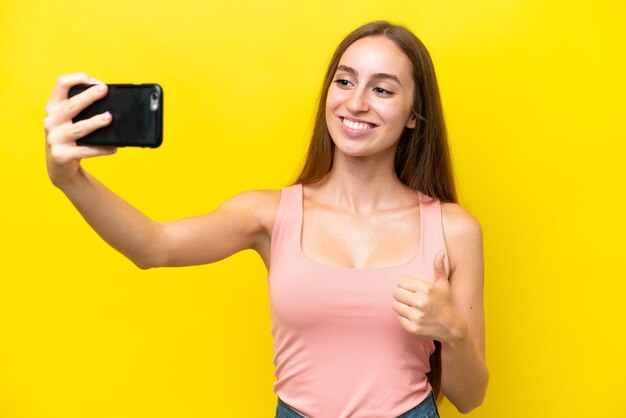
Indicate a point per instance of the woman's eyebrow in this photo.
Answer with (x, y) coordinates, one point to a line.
(377, 76)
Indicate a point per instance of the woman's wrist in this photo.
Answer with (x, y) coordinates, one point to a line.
(71, 185)
(458, 335)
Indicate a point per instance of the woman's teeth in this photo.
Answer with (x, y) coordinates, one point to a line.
(356, 125)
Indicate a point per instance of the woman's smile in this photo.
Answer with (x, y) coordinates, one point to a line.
(355, 127)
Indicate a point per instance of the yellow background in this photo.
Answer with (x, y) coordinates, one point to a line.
(533, 93)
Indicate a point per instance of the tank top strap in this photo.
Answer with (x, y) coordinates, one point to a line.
(287, 224)
(432, 238)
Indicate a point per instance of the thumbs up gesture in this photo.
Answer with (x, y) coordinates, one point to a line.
(425, 309)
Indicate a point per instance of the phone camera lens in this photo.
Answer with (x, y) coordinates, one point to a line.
(154, 101)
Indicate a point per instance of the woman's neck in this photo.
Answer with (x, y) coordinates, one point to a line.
(363, 184)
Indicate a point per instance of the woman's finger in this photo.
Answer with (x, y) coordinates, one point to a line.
(64, 153)
(90, 152)
(405, 296)
(413, 283)
(62, 88)
(69, 133)
(75, 104)
(402, 309)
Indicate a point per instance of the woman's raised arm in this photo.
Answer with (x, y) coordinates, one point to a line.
(234, 226)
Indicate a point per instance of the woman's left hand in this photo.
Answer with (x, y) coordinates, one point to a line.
(426, 309)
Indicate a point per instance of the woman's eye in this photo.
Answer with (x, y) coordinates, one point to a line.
(382, 91)
(342, 83)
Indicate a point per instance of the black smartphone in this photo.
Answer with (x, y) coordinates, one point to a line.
(137, 111)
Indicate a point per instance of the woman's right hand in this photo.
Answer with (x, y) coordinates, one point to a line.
(62, 154)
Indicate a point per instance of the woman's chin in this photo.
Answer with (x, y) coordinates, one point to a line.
(361, 151)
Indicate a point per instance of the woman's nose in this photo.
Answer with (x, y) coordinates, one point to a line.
(358, 101)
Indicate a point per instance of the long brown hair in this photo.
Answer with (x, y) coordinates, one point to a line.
(422, 160)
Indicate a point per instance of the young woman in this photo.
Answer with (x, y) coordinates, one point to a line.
(375, 273)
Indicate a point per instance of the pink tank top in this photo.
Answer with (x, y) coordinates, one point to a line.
(339, 349)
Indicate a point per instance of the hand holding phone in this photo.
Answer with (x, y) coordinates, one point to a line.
(137, 116)
(63, 156)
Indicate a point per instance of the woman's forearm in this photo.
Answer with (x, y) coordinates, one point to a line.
(464, 375)
(121, 225)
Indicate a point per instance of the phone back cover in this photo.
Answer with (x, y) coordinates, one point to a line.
(134, 122)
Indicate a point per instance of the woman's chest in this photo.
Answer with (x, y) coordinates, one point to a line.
(345, 240)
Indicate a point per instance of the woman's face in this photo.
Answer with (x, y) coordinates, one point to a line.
(370, 99)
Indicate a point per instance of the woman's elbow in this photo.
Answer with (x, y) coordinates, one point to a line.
(154, 253)
(142, 265)
(469, 407)
(474, 399)
(148, 262)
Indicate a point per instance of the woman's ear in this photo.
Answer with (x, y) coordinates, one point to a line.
(412, 123)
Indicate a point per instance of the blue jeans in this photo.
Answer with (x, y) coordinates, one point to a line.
(426, 409)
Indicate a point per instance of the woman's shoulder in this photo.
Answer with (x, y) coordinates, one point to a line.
(462, 235)
(261, 203)
(459, 224)
(255, 200)
(257, 196)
